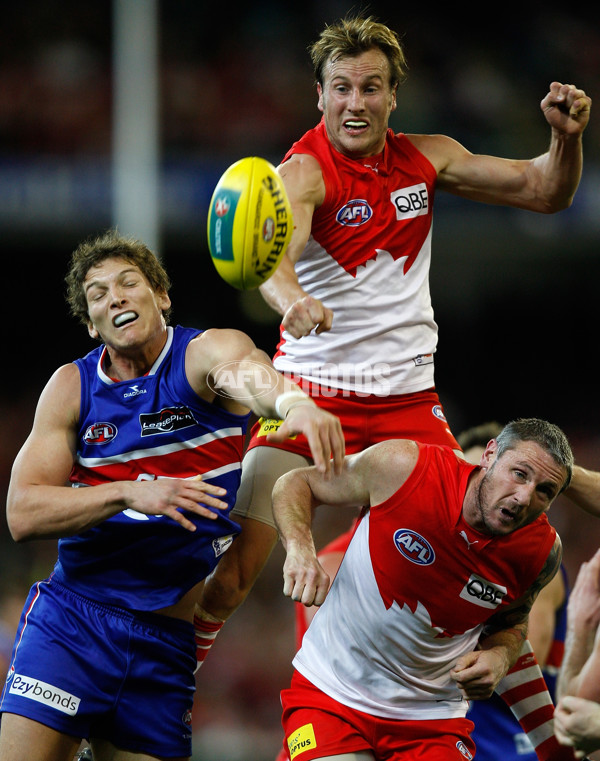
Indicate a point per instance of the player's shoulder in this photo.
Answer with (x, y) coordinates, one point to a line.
(301, 167)
(61, 395)
(221, 341)
(438, 149)
(389, 463)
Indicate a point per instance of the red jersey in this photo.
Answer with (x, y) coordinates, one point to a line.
(368, 260)
(413, 592)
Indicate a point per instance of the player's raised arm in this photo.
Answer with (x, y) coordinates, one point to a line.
(228, 363)
(301, 312)
(367, 478)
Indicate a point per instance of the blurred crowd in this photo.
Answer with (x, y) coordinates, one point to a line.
(233, 86)
(247, 84)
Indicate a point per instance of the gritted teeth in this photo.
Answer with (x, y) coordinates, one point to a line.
(125, 317)
(355, 124)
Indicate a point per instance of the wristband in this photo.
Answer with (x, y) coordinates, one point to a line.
(289, 399)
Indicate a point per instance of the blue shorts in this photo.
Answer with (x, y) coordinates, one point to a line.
(92, 670)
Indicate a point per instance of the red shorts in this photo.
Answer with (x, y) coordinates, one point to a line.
(316, 726)
(367, 420)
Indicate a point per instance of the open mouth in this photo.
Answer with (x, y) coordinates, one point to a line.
(355, 125)
(124, 319)
(508, 516)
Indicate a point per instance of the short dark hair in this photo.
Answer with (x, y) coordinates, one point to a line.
(547, 435)
(354, 35)
(111, 245)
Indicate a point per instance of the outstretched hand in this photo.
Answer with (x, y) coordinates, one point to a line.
(566, 108)
(169, 496)
(323, 432)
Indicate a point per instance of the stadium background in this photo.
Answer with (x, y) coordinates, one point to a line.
(515, 294)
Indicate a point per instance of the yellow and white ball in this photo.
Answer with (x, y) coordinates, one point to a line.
(249, 223)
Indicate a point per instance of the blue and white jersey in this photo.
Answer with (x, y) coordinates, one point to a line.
(151, 427)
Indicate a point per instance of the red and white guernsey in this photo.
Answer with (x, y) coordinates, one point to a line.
(368, 260)
(412, 595)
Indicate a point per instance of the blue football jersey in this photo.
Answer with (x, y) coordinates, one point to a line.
(151, 427)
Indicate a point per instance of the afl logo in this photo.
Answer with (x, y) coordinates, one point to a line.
(462, 748)
(221, 206)
(414, 547)
(439, 412)
(268, 229)
(354, 213)
(100, 433)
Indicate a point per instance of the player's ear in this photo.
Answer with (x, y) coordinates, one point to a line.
(92, 331)
(489, 453)
(320, 93)
(163, 300)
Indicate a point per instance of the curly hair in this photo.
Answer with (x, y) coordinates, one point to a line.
(111, 245)
(354, 35)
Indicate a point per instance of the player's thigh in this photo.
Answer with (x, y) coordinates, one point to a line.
(261, 468)
(21, 737)
(103, 750)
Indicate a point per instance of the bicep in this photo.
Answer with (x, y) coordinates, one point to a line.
(542, 617)
(517, 612)
(47, 456)
(369, 477)
(478, 177)
(305, 188)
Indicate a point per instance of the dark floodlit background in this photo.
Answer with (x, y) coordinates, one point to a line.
(515, 294)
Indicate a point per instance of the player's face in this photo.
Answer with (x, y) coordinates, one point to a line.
(123, 309)
(356, 100)
(516, 489)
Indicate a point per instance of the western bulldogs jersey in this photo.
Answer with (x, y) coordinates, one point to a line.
(412, 594)
(143, 429)
(368, 260)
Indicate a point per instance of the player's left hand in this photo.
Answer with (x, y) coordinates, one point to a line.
(323, 432)
(477, 673)
(566, 108)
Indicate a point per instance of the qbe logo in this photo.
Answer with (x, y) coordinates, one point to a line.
(45, 693)
(410, 202)
(484, 593)
(414, 547)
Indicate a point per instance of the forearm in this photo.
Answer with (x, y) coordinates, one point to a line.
(281, 400)
(48, 512)
(282, 289)
(584, 490)
(293, 510)
(559, 171)
(507, 643)
(580, 669)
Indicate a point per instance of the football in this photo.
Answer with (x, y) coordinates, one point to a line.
(249, 223)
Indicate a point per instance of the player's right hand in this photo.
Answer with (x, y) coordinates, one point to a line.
(304, 579)
(306, 314)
